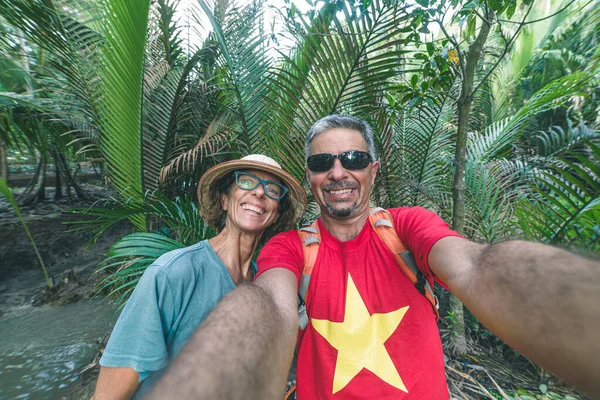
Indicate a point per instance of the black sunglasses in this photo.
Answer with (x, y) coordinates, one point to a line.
(352, 160)
(248, 181)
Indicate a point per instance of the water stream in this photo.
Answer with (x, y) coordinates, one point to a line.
(42, 349)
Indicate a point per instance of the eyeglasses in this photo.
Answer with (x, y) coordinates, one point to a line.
(248, 181)
(352, 160)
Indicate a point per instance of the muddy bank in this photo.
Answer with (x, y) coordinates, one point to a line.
(20, 274)
(59, 339)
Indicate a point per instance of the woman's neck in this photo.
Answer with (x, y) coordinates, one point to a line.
(236, 250)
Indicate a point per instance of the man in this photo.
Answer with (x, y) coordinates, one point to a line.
(371, 334)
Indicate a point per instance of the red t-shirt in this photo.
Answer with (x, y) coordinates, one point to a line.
(371, 334)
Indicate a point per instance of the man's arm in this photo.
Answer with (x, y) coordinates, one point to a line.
(251, 333)
(116, 383)
(541, 300)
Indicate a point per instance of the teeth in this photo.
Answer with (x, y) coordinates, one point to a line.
(253, 208)
(343, 191)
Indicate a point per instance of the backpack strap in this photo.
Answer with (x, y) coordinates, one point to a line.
(311, 239)
(383, 223)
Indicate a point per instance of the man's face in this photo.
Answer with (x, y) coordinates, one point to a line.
(341, 193)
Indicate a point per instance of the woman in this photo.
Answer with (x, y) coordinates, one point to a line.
(247, 201)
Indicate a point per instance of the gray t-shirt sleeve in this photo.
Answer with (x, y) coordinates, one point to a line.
(139, 339)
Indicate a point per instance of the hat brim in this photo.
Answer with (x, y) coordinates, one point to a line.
(295, 191)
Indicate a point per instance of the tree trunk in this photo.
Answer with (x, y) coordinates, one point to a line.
(465, 101)
(57, 180)
(70, 179)
(3, 161)
(32, 182)
(41, 192)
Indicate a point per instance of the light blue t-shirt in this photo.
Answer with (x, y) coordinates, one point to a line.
(173, 297)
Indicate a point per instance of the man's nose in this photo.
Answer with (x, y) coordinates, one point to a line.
(337, 171)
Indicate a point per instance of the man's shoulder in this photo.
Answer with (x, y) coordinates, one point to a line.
(413, 210)
(287, 236)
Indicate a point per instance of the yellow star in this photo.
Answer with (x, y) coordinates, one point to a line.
(360, 340)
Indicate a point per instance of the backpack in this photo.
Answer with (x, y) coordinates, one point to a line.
(382, 222)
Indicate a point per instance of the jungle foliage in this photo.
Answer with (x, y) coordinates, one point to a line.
(123, 83)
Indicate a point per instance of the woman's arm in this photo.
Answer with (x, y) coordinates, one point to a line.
(116, 383)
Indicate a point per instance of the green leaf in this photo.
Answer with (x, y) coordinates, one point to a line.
(471, 6)
(471, 25)
(414, 101)
(430, 48)
(414, 80)
(423, 3)
(543, 388)
(496, 5)
(510, 10)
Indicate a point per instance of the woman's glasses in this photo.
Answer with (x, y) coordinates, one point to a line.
(352, 160)
(248, 181)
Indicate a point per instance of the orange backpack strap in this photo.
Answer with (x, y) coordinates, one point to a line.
(310, 238)
(383, 223)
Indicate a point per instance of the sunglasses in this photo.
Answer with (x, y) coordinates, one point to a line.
(248, 181)
(352, 160)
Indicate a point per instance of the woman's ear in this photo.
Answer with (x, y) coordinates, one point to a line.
(224, 199)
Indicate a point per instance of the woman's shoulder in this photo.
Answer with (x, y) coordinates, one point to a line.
(186, 263)
(184, 254)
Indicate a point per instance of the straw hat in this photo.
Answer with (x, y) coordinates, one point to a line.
(253, 161)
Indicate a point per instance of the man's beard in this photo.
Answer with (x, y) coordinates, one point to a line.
(341, 212)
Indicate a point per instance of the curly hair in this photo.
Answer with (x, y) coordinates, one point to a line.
(216, 216)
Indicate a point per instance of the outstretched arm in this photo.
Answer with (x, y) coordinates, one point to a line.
(252, 333)
(116, 383)
(541, 300)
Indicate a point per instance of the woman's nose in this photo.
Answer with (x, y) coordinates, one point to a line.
(259, 191)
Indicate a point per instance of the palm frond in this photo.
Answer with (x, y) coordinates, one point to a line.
(180, 215)
(244, 63)
(416, 156)
(347, 66)
(566, 206)
(122, 71)
(71, 76)
(557, 141)
(498, 138)
(487, 201)
(127, 260)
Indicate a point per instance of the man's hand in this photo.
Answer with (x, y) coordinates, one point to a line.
(252, 333)
(541, 300)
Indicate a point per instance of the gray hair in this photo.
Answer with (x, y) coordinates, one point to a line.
(341, 121)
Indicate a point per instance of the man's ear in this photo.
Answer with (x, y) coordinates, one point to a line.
(307, 171)
(374, 169)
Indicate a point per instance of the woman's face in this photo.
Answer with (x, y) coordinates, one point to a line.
(251, 211)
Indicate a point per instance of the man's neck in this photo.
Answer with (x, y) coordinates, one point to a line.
(347, 228)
